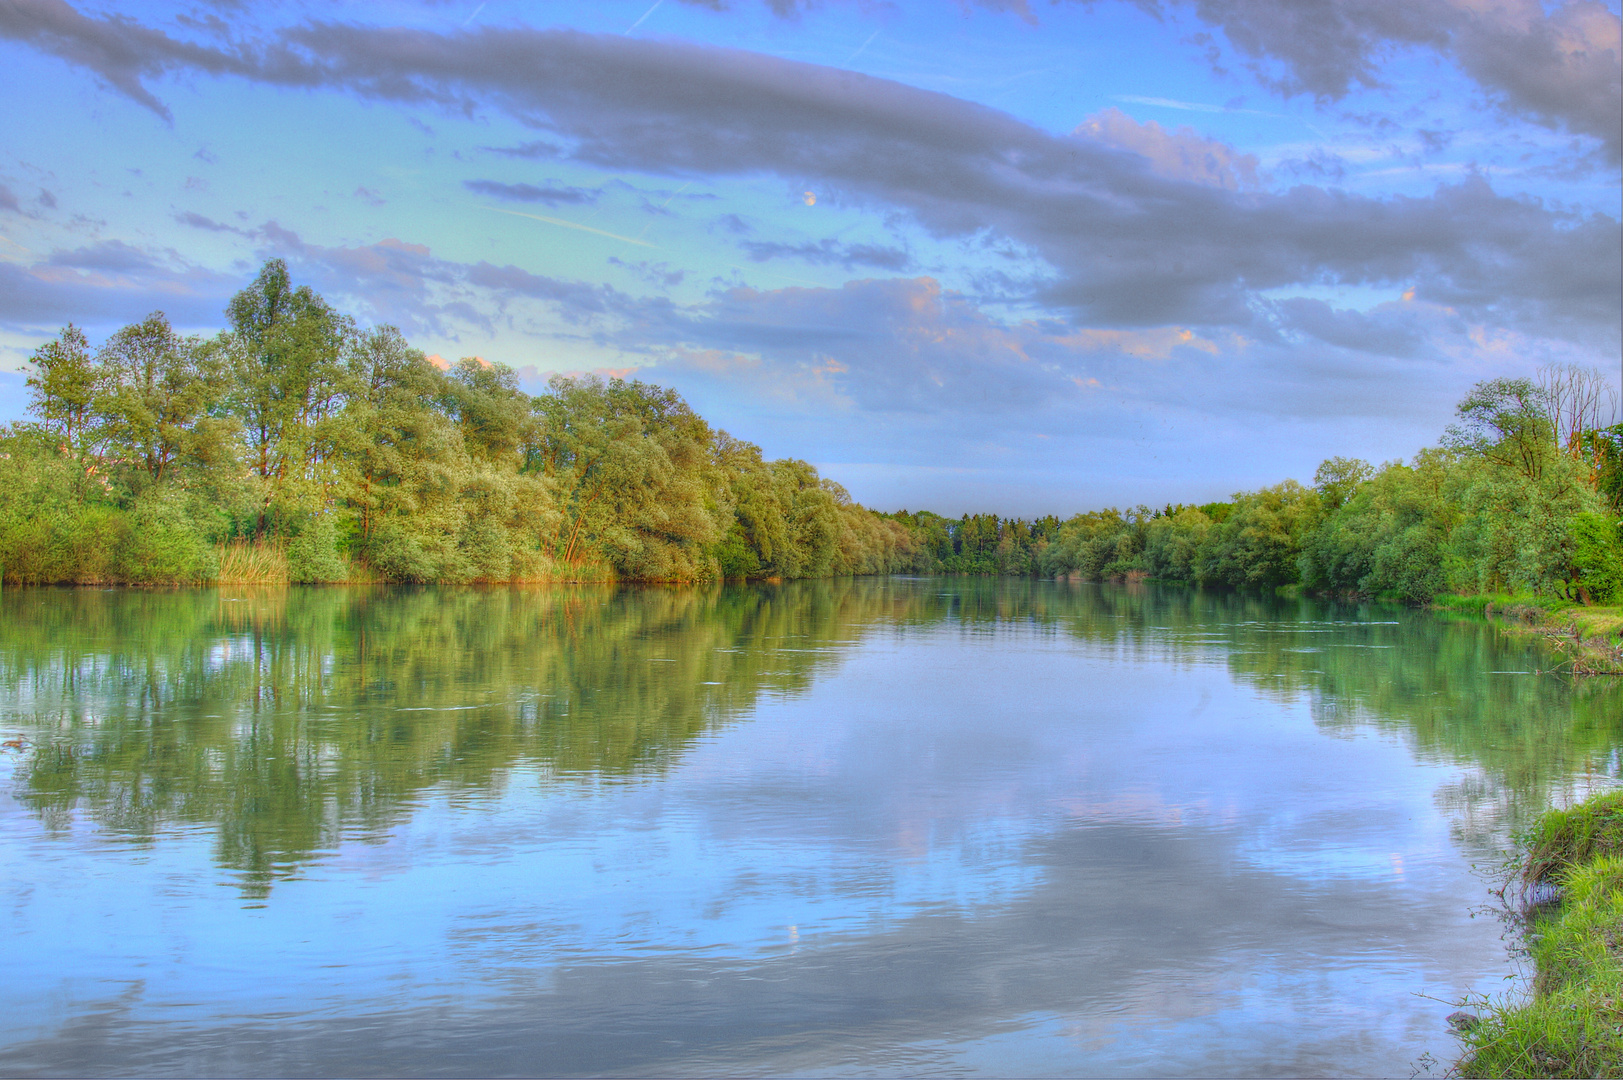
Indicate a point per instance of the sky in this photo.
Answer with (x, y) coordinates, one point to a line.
(1011, 256)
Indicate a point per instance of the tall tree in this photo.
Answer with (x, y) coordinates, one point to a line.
(62, 390)
(634, 476)
(287, 347)
(1507, 422)
(155, 387)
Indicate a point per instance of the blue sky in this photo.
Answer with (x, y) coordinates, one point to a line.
(1020, 257)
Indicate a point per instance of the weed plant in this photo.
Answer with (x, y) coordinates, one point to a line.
(1573, 1025)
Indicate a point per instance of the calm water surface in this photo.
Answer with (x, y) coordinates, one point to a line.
(881, 827)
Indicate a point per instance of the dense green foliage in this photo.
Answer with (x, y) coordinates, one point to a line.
(296, 446)
(1522, 497)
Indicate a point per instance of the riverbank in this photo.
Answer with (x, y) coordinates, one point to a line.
(1588, 639)
(1570, 888)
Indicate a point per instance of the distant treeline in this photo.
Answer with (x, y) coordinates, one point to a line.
(1524, 495)
(296, 446)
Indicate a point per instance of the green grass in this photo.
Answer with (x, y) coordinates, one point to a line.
(1573, 1026)
(1566, 840)
(1588, 638)
(1522, 603)
(1477, 603)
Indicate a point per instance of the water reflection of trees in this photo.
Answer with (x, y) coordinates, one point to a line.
(287, 720)
(1457, 690)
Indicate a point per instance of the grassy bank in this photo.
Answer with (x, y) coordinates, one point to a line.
(268, 563)
(1587, 639)
(1573, 1025)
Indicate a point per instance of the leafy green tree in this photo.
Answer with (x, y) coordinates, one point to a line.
(1511, 531)
(398, 449)
(811, 518)
(1085, 544)
(1388, 536)
(52, 528)
(485, 401)
(635, 478)
(759, 532)
(1258, 543)
(155, 393)
(1172, 543)
(62, 390)
(868, 543)
(1337, 478)
(1605, 449)
(1504, 421)
(287, 349)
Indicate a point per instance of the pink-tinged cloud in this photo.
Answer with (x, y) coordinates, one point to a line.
(1183, 154)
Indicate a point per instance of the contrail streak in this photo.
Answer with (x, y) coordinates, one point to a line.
(572, 225)
(864, 45)
(666, 203)
(645, 15)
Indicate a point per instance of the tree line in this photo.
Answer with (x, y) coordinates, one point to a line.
(1524, 494)
(296, 446)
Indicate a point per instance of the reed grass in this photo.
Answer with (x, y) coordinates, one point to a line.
(252, 562)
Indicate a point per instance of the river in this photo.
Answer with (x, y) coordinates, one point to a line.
(880, 827)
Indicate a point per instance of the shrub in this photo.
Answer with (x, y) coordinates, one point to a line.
(312, 555)
(1597, 557)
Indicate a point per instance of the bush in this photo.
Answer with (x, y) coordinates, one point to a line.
(165, 545)
(1597, 557)
(312, 555)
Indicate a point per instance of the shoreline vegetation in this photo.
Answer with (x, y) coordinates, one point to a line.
(1586, 639)
(296, 447)
(1569, 887)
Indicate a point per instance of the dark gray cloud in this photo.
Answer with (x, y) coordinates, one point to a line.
(198, 221)
(1383, 331)
(551, 195)
(1562, 66)
(1184, 153)
(831, 253)
(8, 200)
(119, 49)
(107, 284)
(1326, 48)
(529, 150)
(113, 256)
(1132, 247)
